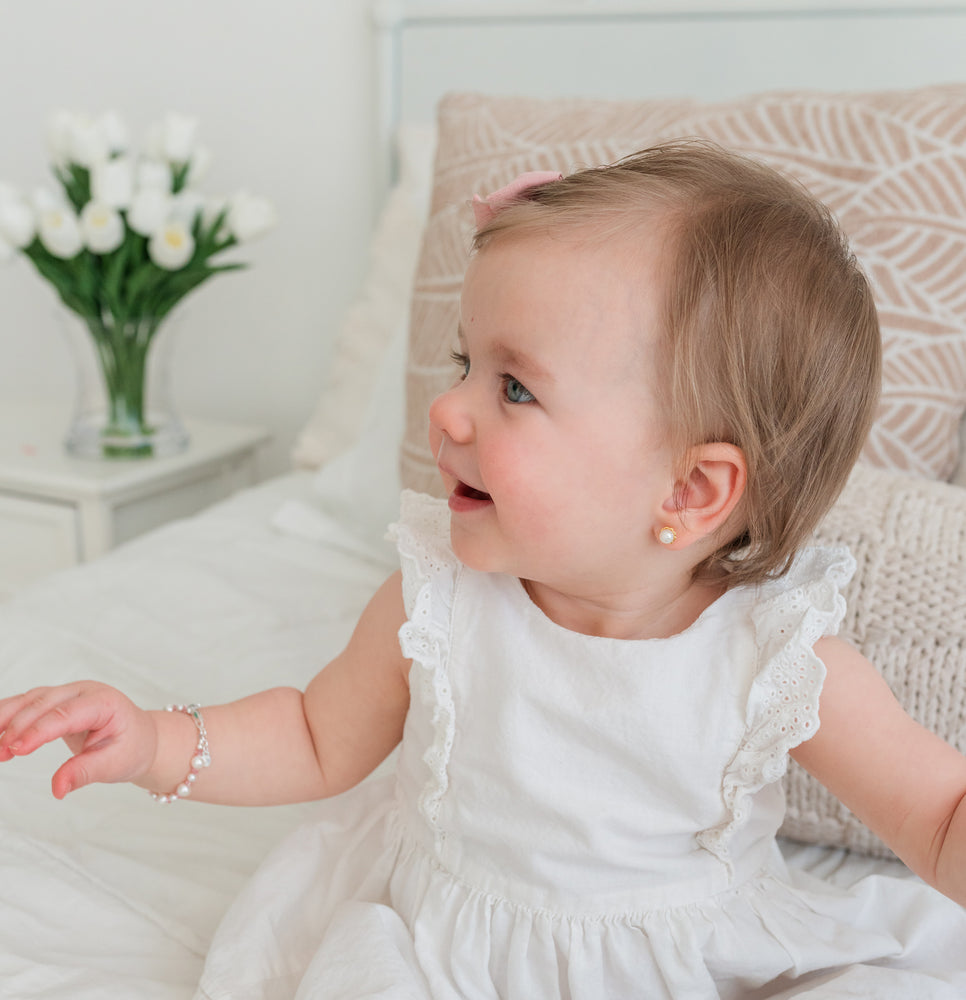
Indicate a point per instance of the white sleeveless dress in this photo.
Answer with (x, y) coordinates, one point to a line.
(581, 817)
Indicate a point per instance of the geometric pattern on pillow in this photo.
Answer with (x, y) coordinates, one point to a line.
(891, 165)
(906, 612)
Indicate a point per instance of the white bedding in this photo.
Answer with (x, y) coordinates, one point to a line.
(108, 894)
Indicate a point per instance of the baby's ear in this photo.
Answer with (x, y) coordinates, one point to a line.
(713, 488)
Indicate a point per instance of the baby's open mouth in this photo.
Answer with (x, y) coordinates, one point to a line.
(463, 490)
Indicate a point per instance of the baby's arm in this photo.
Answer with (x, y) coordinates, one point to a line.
(277, 746)
(905, 783)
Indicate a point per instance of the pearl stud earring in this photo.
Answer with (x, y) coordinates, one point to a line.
(667, 535)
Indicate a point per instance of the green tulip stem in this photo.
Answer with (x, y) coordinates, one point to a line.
(122, 351)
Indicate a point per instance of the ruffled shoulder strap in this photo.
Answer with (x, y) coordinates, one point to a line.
(422, 536)
(788, 617)
(429, 576)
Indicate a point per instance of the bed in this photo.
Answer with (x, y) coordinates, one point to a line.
(110, 895)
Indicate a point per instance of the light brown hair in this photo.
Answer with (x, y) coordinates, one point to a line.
(771, 340)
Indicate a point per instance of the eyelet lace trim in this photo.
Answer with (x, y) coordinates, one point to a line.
(429, 571)
(791, 615)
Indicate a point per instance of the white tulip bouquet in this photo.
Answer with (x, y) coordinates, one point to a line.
(124, 239)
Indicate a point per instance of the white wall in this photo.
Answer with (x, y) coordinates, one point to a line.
(283, 89)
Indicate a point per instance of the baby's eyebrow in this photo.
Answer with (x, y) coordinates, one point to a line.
(513, 359)
(519, 362)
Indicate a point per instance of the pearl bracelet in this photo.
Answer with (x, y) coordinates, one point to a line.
(201, 758)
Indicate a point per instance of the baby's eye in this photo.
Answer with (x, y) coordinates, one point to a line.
(515, 391)
(461, 360)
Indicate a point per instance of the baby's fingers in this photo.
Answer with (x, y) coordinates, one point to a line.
(15, 714)
(46, 714)
(101, 762)
(110, 737)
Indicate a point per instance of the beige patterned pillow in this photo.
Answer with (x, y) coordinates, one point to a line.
(906, 613)
(891, 165)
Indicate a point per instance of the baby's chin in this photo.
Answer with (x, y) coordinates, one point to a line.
(473, 552)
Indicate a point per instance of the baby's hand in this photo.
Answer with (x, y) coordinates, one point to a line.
(111, 739)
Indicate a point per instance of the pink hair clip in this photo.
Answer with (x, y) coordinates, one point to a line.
(485, 208)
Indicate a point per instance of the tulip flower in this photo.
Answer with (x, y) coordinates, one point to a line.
(85, 141)
(112, 182)
(45, 200)
(200, 163)
(155, 174)
(59, 232)
(249, 216)
(102, 227)
(59, 137)
(17, 221)
(149, 210)
(186, 206)
(114, 132)
(173, 138)
(172, 246)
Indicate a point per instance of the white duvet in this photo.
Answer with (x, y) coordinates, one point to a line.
(108, 894)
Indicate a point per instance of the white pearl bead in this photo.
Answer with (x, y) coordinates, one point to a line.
(201, 758)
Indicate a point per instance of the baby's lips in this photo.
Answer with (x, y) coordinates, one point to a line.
(464, 490)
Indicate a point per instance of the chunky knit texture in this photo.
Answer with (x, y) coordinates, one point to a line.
(906, 613)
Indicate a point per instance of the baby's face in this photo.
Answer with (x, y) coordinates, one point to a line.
(550, 444)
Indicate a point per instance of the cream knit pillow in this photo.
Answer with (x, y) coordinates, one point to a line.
(891, 165)
(906, 613)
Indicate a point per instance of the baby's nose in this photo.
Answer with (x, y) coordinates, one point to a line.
(449, 416)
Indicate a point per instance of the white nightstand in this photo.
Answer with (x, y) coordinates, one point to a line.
(57, 511)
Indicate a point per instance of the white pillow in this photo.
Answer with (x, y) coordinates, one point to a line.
(353, 437)
(356, 494)
(360, 487)
(374, 320)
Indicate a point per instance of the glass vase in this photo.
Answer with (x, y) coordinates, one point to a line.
(124, 407)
